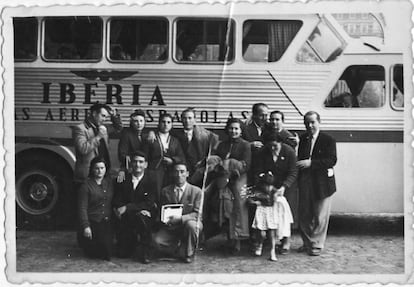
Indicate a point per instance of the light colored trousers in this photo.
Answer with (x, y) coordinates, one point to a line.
(313, 215)
(184, 236)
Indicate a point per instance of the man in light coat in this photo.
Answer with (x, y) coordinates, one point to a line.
(181, 231)
(91, 139)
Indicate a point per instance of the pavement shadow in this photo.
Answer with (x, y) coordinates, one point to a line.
(366, 225)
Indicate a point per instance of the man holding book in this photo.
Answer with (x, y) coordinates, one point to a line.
(180, 231)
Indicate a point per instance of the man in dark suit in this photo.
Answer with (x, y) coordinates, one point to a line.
(253, 129)
(181, 230)
(135, 208)
(316, 159)
(131, 140)
(196, 142)
(252, 132)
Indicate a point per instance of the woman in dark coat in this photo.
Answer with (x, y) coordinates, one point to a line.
(280, 160)
(236, 155)
(94, 210)
(276, 126)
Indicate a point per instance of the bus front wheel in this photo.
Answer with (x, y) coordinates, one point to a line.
(43, 193)
(37, 192)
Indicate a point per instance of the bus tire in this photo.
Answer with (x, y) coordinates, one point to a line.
(43, 184)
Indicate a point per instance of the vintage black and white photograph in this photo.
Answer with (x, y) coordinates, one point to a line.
(208, 141)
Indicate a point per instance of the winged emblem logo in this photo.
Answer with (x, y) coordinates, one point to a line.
(103, 75)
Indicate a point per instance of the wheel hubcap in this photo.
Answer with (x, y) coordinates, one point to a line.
(37, 192)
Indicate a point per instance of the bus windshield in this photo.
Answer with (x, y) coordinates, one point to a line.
(362, 25)
(322, 46)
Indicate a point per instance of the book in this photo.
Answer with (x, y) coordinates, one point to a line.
(169, 210)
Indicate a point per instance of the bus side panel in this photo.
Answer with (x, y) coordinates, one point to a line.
(369, 178)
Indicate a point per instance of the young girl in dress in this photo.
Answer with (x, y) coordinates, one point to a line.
(273, 214)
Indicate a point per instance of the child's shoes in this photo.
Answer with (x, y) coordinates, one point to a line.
(258, 251)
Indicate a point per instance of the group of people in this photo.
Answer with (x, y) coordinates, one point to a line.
(243, 185)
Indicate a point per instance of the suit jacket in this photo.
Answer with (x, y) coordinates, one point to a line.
(240, 150)
(191, 200)
(140, 198)
(155, 153)
(249, 132)
(202, 139)
(129, 142)
(323, 160)
(284, 169)
(86, 148)
(87, 144)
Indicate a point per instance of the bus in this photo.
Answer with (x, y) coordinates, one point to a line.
(221, 59)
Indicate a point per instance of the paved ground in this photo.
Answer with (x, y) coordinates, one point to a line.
(362, 246)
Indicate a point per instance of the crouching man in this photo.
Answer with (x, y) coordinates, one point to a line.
(180, 232)
(134, 203)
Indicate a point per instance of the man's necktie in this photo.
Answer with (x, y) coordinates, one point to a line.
(312, 143)
(189, 137)
(259, 131)
(308, 146)
(177, 192)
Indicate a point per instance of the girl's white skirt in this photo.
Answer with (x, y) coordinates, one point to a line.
(279, 216)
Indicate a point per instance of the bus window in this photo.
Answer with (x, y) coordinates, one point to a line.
(266, 41)
(25, 39)
(142, 40)
(322, 46)
(397, 94)
(204, 40)
(358, 87)
(73, 38)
